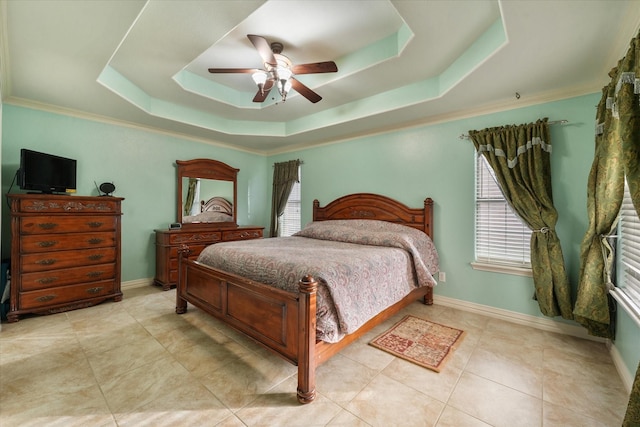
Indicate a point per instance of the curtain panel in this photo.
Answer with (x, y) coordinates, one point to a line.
(632, 416)
(191, 196)
(617, 155)
(520, 157)
(285, 175)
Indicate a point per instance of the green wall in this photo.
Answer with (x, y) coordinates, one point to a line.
(140, 163)
(432, 161)
(409, 165)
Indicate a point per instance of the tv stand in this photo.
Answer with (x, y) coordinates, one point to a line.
(65, 252)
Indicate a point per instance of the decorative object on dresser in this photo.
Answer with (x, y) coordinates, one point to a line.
(206, 206)
(65, 252)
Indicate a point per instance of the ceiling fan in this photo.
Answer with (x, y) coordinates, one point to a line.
(279, 71)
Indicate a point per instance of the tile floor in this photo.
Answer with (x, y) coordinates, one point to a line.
(137, 363)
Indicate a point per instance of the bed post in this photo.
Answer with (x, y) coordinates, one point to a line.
(183, 254)
(428, 228)
(307, 340)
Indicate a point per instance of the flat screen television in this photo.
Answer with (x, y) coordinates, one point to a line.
(46, 173)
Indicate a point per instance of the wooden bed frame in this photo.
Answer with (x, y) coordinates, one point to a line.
(285, 322)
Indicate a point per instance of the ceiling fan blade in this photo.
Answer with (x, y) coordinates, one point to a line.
(263, 48)
(233, 70)
(262, 94)
(305, 91)
(317, 67)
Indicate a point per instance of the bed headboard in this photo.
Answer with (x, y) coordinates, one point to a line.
(375, 206)
(216, 204)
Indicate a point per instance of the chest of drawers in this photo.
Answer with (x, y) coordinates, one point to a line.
(168, 242)
(65, 252)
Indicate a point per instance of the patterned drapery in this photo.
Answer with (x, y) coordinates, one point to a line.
(193, 188)
(520, 158)
(617, 154)
(632, 417)
(285, 174)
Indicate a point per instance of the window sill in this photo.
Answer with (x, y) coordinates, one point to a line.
(627, 304)
(502, 268)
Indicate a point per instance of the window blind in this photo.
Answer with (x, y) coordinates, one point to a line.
(630, 249)
(501, 236)
(290, 220)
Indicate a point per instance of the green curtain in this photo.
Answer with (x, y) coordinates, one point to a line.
(617, 147)
(285, 174)
(191, 194)
(632, 417)
(520, 158)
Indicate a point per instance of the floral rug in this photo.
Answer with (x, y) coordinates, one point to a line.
(420, 341)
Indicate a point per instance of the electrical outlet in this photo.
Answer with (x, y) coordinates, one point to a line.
(442, 276)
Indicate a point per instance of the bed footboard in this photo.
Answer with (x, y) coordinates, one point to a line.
(283, 322)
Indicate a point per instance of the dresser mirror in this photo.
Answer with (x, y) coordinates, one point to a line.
(207, 193)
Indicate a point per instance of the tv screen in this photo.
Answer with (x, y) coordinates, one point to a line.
(46, 173)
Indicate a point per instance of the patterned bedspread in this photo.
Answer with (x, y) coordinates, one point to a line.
(362, 267)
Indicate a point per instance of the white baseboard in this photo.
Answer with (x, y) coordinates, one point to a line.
(540, 323)
(621, 367)
(138, 283)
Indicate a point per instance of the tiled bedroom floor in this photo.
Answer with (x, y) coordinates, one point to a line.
(137, 363)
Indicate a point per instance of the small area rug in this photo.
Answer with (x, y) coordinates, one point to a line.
(420, 341)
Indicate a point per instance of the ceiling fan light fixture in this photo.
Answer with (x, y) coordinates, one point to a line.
(259, 77)
(278, 71)
(284, 86)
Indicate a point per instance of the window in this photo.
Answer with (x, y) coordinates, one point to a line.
(502, 239)
(289, 222)
(629, 267)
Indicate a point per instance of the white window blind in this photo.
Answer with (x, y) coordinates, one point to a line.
(630, 250)
(501, 236)
(289, 222)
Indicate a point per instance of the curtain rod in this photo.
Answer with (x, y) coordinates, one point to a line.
(299, 161)
(555, 122)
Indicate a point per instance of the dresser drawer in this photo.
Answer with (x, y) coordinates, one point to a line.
(65, 294)
(61, 242)
(186, 238)
(62, 224)
(69, 205)
(67, 276)
(53, 260)
(241, 234)
(195, 251)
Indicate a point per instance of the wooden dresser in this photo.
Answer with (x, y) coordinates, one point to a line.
(65, 252)
(169, 241)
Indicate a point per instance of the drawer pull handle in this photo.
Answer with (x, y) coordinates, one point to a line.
(47, 280)
(95, 257)
(47, 225)
(47, 243)
(95, 241)
(49, 261)
(95, 290)
(94, 224)
(95, 273)
(45, 298)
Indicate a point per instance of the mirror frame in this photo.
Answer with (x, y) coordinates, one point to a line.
(207, 169)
